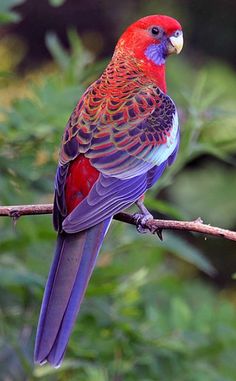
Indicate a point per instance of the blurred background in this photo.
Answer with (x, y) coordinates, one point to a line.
(153, 310)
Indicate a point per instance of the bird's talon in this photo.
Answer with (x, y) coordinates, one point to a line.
(159, 233)
(141, 221)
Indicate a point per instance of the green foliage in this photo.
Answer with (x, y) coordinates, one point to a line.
(146, 315)
(56, 3)
(186, 193)
(6, 13)
(72, 65)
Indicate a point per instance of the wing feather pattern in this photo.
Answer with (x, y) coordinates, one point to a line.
(124, 140)
(128, 139)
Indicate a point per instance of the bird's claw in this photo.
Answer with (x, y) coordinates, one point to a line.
(141, 220)
(159, 233)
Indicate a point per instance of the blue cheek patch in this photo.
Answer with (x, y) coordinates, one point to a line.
(156, 53)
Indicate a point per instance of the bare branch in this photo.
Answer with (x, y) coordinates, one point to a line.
(154, 226)
(17, 211)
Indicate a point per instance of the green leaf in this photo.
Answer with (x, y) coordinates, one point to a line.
(208, 192)
(201, 148)
(57, 51)
(56, 3)
(6, 15)
(182, 249)
(180, 313)
(18, 278)
(164, 207)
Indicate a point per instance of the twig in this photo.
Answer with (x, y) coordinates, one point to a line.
(17, 211)
(154, 226)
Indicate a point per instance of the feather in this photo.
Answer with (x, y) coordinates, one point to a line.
(108, 196)
(74, 260)
(126, 134)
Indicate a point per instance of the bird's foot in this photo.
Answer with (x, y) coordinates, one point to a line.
(141, 220)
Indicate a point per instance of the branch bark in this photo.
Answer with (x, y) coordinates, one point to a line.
(154, 226)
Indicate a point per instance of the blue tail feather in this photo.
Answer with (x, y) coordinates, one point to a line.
(75, 258)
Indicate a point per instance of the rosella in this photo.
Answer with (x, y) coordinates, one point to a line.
(121, 136)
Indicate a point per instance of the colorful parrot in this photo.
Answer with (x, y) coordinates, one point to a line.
(121, 136)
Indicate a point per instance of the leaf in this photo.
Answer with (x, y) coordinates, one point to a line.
(201, 148)
(57, 51)
(56, 3)
(163, 207)
(188, 253)
(6, 15)
(208, 191)
(18, 278)
(9, 17)
(181, 315)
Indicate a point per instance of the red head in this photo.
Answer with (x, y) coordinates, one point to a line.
(150, 40)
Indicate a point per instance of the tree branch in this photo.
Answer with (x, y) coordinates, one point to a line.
(155, 226)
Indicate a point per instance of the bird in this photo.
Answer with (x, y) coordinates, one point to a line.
(119, 139)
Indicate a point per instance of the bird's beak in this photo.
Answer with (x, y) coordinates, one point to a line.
(175, 43)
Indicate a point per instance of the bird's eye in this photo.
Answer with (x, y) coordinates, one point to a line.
(177, 33)
(155, 31)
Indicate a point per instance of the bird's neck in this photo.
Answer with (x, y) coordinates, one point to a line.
(156, 73)
(148, 72)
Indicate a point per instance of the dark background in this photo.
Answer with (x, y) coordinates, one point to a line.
(209, 25)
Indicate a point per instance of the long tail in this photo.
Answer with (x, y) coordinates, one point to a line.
(74, 260)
